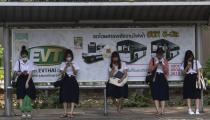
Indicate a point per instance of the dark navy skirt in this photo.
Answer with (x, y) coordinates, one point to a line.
(159, 88)
(116, 92)
(189, 87)
(21, 91)
(69, 90)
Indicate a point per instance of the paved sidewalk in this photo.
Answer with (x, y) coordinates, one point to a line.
(174, 113)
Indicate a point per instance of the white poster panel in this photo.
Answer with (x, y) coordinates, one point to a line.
(92, 48)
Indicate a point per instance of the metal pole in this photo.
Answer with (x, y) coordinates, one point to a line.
(199, 55)
(7, 93)
(201, 102)
(105, 103)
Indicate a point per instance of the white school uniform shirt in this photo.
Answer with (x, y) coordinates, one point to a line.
(194, 70)
(123, 67)
(159, 68)
(28, 66)
(69, 70)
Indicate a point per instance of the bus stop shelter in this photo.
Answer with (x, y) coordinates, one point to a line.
(96, 14)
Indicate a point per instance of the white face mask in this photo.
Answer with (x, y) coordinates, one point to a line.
(116, 67)
(25, 59)
(68, 59)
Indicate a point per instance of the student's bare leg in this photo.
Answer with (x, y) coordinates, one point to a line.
(197, 103)
(115, 102)
(157, 106)
(189, 103)
(162, 107)
(120, 105)
(72, 109)
(65, 106)
(21, 102)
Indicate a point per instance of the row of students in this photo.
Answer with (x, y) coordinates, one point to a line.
(69, 90)
(191, 69)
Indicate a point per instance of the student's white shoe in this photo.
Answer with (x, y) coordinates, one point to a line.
(190, 112)
(197, 112)
(23, 116)
(28, 115)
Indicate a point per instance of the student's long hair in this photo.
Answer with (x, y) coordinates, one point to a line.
(188, 54)
(68, 51)
(115, 54)
(159, 50)
(23, 51)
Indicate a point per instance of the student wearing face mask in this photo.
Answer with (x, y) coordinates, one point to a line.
(116, 93)
(159, 86)
(69, 90)
(25, 86)
(191, 71)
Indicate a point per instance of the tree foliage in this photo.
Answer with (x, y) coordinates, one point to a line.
(1, 50)
(206, 70)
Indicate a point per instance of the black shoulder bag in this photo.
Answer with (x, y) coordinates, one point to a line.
(202, 82)
(150, 75)
(15, 77)
(60, 80)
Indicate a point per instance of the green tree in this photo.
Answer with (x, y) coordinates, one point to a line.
(1, 50)
(206, 70)
(1, 63)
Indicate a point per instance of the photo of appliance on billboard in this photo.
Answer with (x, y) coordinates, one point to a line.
(94, 53)
(171, 50)
(130, 51)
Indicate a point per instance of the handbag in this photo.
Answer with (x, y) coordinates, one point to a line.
(202, 85)
(59, 81)
(150, 75)
(117, 76)
(15, 77)
(27, 104)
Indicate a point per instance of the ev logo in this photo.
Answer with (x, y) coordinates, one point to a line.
(46, 55)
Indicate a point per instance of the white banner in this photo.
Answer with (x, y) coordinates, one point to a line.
(92, 49)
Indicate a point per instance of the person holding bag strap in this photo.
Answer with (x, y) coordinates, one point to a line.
(159, 86)
(113, 91)
(191, 78)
